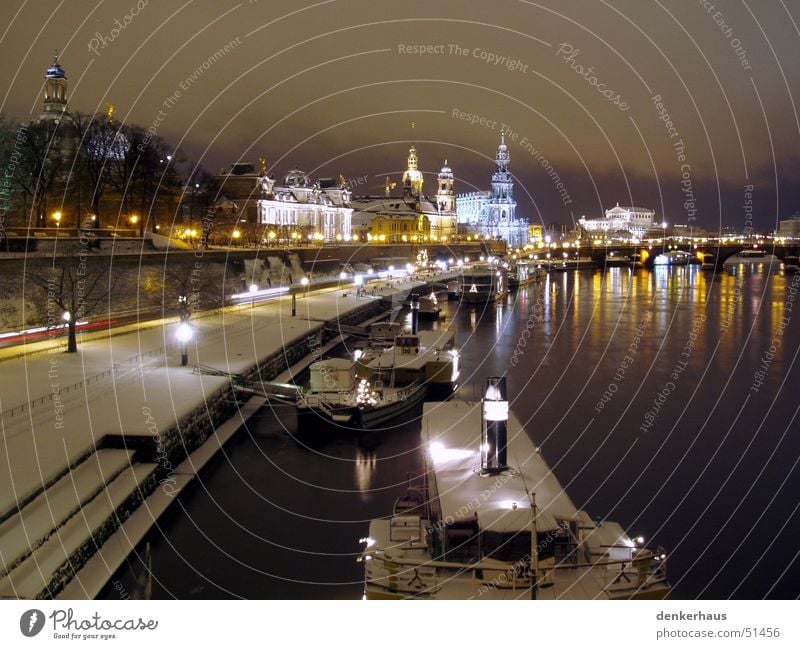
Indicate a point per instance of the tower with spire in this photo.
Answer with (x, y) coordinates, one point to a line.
(492, 213)
(54, 107)
(502, 204)
(445, 196)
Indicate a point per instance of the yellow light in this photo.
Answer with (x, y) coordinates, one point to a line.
(57, 217)
(236, 234)
(272, 234)
(134, 219)
(355, 237)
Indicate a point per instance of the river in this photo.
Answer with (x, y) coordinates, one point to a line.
(665, 400)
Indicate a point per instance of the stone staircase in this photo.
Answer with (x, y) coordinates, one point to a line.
(54, 534)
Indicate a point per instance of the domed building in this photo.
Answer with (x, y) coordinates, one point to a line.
(412, 217)
(55, 94)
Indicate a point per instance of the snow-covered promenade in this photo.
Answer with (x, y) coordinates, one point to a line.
(58, 409)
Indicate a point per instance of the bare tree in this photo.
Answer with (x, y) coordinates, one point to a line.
(43, 153)
(72, 291)
(101, 142)
(183, 287)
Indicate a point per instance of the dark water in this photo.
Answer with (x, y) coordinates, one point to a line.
(708, 469)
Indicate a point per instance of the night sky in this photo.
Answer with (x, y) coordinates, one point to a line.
(334, 86)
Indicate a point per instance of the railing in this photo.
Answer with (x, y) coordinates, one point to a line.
(637, 573)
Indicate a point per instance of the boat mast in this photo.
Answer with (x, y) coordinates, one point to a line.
(534, 549)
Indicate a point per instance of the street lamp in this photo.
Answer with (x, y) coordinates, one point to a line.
(304, 282)
(57, 218)
(184, 334)
(359, 281)
(236, 234)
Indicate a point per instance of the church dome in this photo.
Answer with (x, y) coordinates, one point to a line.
(446, 170)
(296, 178)
(55, 71)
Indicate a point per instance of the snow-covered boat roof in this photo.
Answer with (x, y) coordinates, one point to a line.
(451, 434)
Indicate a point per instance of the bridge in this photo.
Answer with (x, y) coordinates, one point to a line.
(716, 251)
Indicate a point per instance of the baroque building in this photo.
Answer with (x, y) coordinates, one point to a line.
(623, 221)
(301, 209)
(492, 213)
(413, 216)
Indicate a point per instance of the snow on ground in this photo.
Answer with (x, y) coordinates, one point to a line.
(134, 383)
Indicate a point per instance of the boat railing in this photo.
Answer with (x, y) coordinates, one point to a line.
(640, 571)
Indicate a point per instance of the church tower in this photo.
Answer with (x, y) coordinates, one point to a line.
(412, 178)
(501, 203)
(445, 196)
(55, 94)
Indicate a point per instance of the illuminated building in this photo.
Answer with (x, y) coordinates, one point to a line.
(492, 214)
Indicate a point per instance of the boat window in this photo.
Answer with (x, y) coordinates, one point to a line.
(462, 544)
(515, 546)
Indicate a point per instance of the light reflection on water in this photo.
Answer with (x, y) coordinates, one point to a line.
(713, 479)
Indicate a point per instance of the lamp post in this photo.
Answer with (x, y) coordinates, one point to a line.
(304, 282)
(184, 331)
(184, 334)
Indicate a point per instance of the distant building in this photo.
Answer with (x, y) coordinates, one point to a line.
(493, 213)
(300, 208)
(400, 227)
(789, 227)
(413, 214)
(623, 221)
(239, 189)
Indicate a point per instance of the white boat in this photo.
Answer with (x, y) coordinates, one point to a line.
(453, 289)
(491, 521)
(483, 284)
(380, 384)
(429, 308)
(523, 273)
(572, 263)
(673, 258)
(337, 397)
(751, 257)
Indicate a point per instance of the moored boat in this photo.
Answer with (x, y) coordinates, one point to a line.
(381, 383)
(490, 520)
(483, 284)
(752, 257)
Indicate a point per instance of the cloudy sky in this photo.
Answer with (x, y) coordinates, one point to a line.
(679, 105)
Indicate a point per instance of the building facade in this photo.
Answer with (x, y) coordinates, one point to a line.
(300, 208)
(492, 213)
(789, 227)
(422, 218)
(628, 222)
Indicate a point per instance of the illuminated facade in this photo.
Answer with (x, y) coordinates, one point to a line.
(421, 217)
(492, 214)
(625, 221)
(318, 209)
